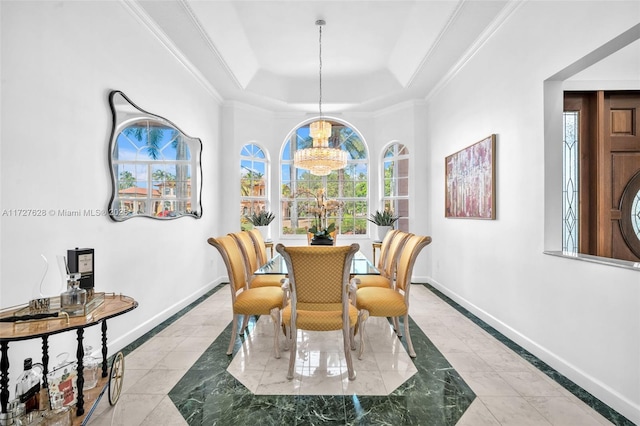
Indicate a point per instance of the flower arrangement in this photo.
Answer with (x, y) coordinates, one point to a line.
(322, 208)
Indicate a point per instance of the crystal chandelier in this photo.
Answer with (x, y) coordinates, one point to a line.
(320, 159)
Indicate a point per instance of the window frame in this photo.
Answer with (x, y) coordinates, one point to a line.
(392, 201)
(247, 202)
(291, 180)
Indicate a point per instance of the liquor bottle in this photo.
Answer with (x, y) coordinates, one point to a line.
(28, 386)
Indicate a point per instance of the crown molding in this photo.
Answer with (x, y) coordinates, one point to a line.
(143, 18)
(209, 42)
(435, 44)
(496, 24)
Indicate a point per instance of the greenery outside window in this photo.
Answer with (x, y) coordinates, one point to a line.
(395, 183)
(253, 183)
(348, 186)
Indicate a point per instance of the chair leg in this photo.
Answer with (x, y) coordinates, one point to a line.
(412, 352)
(275, 315)
(293, 333)
(396, 326)
(287, 336)
(346, 338)
(363, 315)
(352, 338)
(245, 324)
(234, 330)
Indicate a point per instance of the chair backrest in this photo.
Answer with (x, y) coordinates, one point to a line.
(384, 247)
(258, 243)
(318, 275)
(233, 260)
(407, 259)
(395, 247)
(248, 250)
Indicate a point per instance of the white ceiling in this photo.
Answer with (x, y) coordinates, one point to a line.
(375, 53)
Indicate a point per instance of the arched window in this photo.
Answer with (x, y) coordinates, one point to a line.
(395, 182)
(253, 182)
(349, 186)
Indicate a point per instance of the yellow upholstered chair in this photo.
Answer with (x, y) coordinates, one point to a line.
(248, 248)
(319, 295)
(389, 252)
(247, 301)
(392, 302)
(258, 242)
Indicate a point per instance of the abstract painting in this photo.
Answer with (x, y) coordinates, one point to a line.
(470, 181)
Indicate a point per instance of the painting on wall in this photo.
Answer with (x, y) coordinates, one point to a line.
(470, 181)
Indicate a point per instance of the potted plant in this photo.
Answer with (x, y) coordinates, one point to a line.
(322, 230)
(261, 221)
(385, 220)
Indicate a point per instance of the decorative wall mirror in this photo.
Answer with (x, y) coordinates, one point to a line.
(155, 167)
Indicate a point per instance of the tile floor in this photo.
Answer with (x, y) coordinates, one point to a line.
(183, 360)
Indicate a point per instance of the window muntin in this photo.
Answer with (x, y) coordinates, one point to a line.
(395, 182)
(348, 185)
(253, 182)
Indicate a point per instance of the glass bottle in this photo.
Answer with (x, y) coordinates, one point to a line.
(74, 299)
(91, 367)
(28, 386)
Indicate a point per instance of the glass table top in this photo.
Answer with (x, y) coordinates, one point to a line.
(360, 265)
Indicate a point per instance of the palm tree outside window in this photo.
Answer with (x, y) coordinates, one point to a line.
(253, 182)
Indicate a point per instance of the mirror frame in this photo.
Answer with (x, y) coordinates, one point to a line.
(125, 113)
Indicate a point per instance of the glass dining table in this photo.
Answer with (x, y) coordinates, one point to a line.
(360, 265)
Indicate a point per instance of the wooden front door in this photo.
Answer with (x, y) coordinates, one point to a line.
(609, 146)
(621, 161)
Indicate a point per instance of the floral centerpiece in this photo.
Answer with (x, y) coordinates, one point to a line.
(323, 207)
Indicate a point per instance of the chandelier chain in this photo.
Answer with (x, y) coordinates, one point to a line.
(320, 72)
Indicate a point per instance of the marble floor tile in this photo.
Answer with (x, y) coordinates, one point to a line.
(477, 415)
(562, 412)
(465, 374)
(165, 413)
(156, 382)
(489, 383)
(514, 411)
(531, 383)
(131, 409)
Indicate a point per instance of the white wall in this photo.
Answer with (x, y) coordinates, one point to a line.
(59, 62)
(583, 319)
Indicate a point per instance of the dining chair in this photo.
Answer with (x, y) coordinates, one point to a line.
(319, 296)
(259, 244)
(389, 252)
(245, 300)
(392, 302)
(250, 253)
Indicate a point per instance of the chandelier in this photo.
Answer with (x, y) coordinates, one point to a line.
(320, 159)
